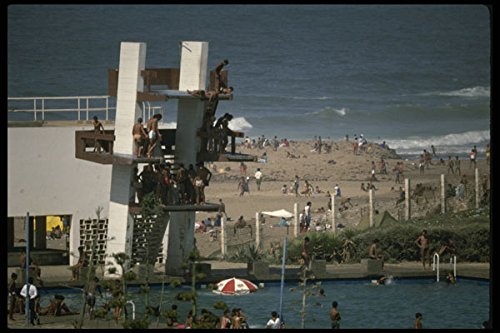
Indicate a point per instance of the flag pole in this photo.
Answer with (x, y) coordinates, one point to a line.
(282, 281)
(27, 268)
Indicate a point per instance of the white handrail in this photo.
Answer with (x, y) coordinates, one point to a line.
(283, 267)
(133, 309)
(79, 104)
(454, 266)
(435, 264)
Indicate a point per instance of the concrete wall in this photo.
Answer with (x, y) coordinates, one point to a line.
(45, 178)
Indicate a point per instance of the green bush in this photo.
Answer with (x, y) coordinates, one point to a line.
(185, 296)
(469, 230)
(245, 253)
(136, 323)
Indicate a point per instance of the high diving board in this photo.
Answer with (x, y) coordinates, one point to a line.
(165, 78)
(173, 93)
(166, 94)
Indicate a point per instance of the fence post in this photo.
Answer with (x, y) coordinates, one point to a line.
(443, 195)
(407, 200)
(334, 227)
(296, 219)
(372, 222)
(257, 230)
(476, 172)
(223, 243)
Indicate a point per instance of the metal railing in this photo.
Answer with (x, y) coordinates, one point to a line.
(84, 106)
(150, 110)
(435, 265)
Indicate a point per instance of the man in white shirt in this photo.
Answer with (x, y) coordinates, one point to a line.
(258, 178)
(274, 322)
(307, 214)
(31, 294)
(302, 221)
(336, 190)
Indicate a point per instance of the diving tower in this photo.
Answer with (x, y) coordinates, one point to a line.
(189, 143)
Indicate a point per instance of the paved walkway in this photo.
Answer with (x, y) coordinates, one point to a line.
(58, 276)
(54, 276)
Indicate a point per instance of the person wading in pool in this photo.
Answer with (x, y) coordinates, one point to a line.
(335, 316)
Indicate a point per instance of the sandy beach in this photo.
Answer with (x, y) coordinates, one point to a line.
(325, 170)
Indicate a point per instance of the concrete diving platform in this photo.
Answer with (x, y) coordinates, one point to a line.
(99, 148)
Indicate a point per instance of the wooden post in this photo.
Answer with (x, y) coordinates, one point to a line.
(443, 195)
(334, 227)
(476, 172)
(257, 230)
(10, 234)
(223, 244)
(40, 235)
(372, 222)
(296, 219)
(407, 200)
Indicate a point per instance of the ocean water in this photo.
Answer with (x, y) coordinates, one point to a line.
(412, 75)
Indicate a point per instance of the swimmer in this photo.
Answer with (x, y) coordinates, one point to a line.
(450, 278)
(383, 280)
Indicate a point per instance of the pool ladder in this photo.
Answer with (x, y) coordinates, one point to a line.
(435, 265)
(133, 308)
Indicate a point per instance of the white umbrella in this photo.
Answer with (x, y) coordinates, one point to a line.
(279, 213)
(235, 286)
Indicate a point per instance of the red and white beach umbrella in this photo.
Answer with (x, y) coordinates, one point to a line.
(235, 286)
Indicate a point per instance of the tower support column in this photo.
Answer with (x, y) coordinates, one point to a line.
(193, 76)
(121, 223)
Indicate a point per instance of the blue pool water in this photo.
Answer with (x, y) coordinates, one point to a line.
(361, 304)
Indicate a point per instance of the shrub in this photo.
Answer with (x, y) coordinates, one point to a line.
(469, 230)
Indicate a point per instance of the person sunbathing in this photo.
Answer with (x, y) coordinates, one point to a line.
(57, 307)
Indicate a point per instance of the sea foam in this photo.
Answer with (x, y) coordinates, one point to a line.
(468, 92)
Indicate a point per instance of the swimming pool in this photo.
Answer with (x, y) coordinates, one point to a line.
(465, 304)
